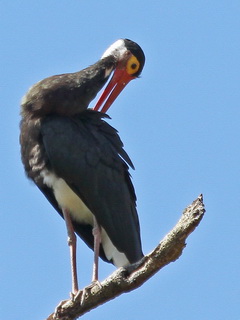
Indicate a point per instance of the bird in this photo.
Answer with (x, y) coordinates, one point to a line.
(77, 160)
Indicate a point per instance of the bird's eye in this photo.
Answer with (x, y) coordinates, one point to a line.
(132, 65)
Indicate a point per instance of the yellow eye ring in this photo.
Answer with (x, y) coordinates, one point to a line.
(132, 65)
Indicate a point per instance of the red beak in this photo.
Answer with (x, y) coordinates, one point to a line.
(118, 81)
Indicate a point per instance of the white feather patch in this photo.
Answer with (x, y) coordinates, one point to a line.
(79, 212)
(117, 49)
(66, 198)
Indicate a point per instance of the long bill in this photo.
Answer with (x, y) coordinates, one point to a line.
(118, 81)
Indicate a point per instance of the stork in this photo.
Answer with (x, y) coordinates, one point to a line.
(77, 159)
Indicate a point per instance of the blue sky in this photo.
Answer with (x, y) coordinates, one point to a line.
(180, 125)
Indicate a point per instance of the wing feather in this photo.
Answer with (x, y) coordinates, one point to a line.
(88, 154)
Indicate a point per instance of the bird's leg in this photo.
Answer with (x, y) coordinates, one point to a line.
(72, 242)
(96, 231)
(97, 240)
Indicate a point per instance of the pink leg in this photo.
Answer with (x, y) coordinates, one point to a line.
(97, 240)
(72, 242)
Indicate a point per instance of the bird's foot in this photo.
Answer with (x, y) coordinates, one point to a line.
(97, 283)
(66, 303)
(94, 287)
(59, 309)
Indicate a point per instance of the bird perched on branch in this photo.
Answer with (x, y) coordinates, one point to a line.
(77, 159)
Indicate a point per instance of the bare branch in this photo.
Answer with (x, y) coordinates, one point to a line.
(130, 278)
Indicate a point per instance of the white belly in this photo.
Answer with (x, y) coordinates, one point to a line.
(79, 212)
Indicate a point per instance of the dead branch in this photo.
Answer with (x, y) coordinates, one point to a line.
(132, 277)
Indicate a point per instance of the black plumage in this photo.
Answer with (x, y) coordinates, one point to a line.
(94, 167)
(67, 148)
